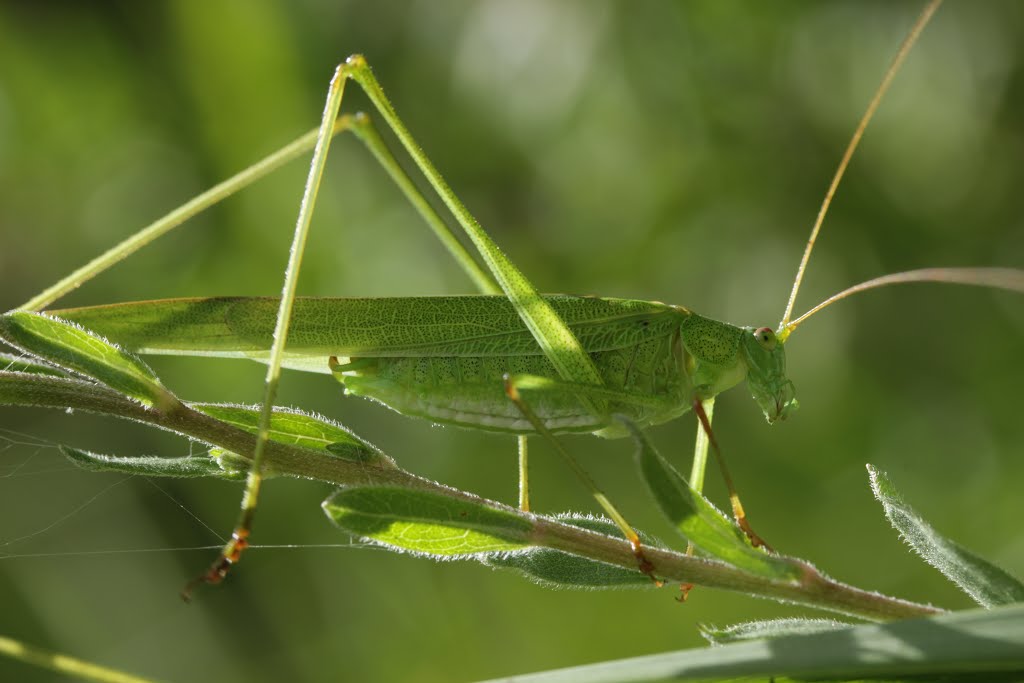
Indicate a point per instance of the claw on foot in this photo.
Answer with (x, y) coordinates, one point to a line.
(229, 556)
(643, 563)
(685, 588)
(755, 540)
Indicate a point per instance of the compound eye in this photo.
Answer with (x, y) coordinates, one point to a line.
(766, 337)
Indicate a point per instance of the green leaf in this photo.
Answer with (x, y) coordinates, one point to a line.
(976, 645)
(296, 428)
(558, 569)
(79, 350)
(986, 583)
(698, 520)
(152, 466)
(11, 363)
(771, 628)
(427, 523)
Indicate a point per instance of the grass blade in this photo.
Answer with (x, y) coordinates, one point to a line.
(975, 645)
(65, 664)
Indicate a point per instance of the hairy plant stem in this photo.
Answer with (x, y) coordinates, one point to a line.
(812, 589)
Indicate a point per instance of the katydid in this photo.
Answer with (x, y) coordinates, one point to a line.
(579, 361)
(444, 358)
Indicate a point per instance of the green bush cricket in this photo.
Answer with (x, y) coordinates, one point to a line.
(707, 356)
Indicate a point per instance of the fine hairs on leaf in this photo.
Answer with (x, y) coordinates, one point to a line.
(73, 347)
(10, 362)
(770, 628)
(987, 584)
(190, 467)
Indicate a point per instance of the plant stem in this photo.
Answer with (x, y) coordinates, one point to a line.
(812, 589)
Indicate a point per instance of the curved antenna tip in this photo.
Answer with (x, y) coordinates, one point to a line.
(1008, 279)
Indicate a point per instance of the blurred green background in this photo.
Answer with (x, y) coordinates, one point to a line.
(668, 151)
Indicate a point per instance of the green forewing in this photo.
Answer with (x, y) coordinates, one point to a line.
(386, 327)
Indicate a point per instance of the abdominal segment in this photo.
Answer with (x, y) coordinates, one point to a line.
(469, 391)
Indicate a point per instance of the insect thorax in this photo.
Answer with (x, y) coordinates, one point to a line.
(712, 356)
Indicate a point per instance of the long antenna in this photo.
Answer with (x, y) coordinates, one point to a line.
(908, 43)
(1009, 279)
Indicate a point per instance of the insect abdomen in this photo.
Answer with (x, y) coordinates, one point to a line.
(469, 390)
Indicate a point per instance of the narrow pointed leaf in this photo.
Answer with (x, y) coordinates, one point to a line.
(986, 583)
(11, 363)
(698, 520)
(426, 523)
(152, 466)
(557, 569)
(772, 628)
(79, 350)
(300, 429)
